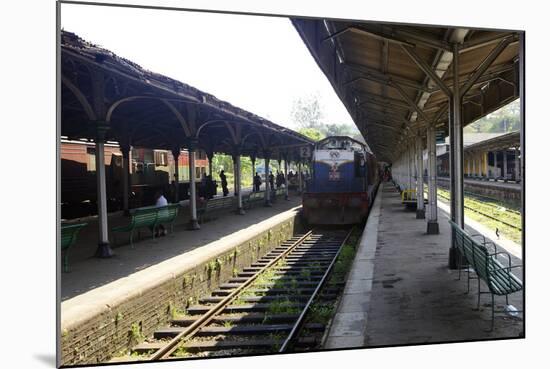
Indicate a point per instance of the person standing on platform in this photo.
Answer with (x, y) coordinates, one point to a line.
(223, 179)
(271, 180)
(257, 182)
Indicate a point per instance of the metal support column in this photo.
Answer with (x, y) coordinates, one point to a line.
(235, 179)
(286, 177)
(125, 149)
(432, 225)
(267, 193)
(193, 222)
(409, 169)
(420, 212)
(522, 122)
(505, 164)
(300, 180)
(457, 172)
(103, 247)
(516, 164)
(176, 155)
(253, 160)
(210, 156)
(237, 160)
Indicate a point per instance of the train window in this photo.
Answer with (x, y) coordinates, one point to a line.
(90, 153)
(161, 158)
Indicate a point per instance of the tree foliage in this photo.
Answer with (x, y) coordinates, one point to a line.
(307, 115)
(313, 133)
(506, 119)
(306, 112)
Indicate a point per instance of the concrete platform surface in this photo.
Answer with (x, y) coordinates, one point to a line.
(415, 298)
(401, 291)
(91, 272)
(104, 282)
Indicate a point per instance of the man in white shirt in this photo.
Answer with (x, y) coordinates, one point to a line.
(160, 201)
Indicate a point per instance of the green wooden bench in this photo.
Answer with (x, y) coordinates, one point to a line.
(498, 277)
(68, 238)
(212, 208)
(253, 198)
(150, 217)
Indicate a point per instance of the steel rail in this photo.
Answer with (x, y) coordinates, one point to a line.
(486, 215)
(305, 310)
(185, 335)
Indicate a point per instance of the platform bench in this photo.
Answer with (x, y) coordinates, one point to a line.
(500, 280)
(69, 232)
(150, 217)
(253, 198)
(211, 208)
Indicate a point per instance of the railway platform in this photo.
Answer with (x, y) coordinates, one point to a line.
(103, 299)
(88, 273)
(400, 290)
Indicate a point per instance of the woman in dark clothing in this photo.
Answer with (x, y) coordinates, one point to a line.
(224, 183)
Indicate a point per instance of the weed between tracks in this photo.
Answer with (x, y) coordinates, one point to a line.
(345, 259)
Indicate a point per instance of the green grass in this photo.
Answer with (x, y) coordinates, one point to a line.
(320, 313)
(282, 307)
(494, 209)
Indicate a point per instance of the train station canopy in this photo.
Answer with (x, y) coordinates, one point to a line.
(503, 142)
(134, 106)
(395, 80)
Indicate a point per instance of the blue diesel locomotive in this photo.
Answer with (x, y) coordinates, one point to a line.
(343, 182)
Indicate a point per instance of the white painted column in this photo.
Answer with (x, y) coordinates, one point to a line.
(193, 223)
(103, 249)
(432, 224)
(176, 155)
(238, 173)
(505, 164)
(267, 193)
(125, 149)
(286, 177)
(253, 160)
(420, 212)
(516, 164)
(300, 180)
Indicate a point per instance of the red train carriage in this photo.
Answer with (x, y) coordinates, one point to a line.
(150, 170)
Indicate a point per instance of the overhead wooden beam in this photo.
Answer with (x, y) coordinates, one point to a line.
(377, 76)
(427, 69)
(409, 101)
(485, 64)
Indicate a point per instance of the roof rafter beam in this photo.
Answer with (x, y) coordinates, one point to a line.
(427, 69)
(384, 126)
(382, 100)
(409, 101)
(395, 36)
(485, 40)
(485, 64)
(383, 104)
(376, 76)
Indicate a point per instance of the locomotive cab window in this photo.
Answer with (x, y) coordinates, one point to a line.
(359, 164)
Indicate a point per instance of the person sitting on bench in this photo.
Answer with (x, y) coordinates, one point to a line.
(160, 201)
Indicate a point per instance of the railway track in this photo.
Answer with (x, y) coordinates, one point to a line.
(485, 214)
(262, 309)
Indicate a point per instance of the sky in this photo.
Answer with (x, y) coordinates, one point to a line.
(257, 63)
